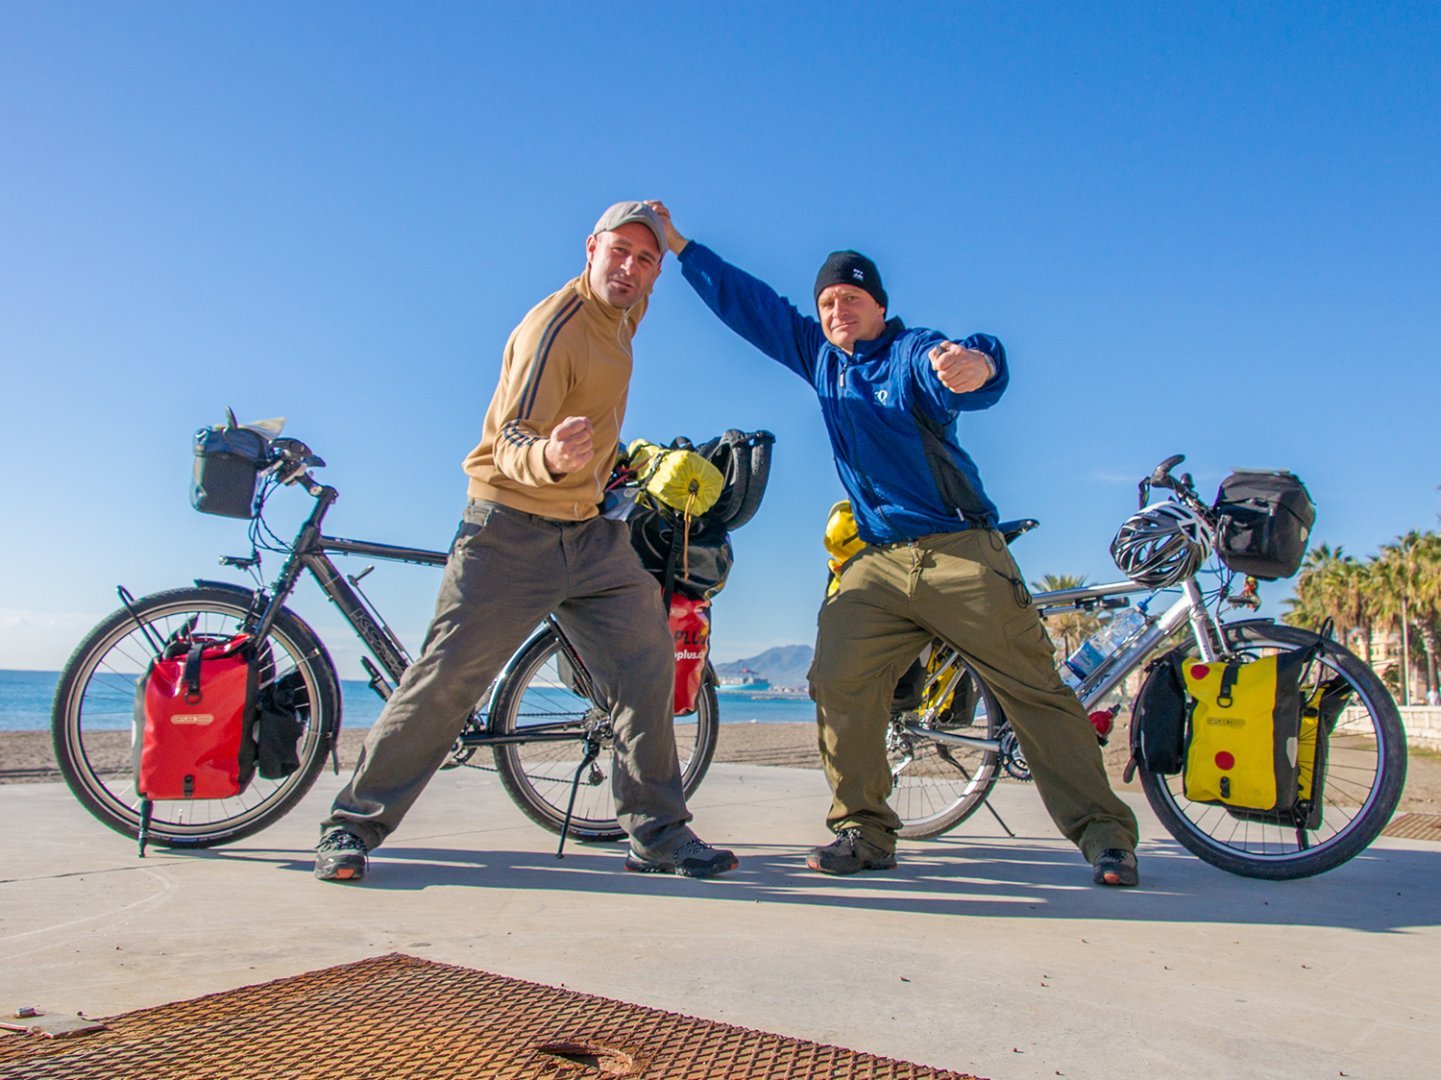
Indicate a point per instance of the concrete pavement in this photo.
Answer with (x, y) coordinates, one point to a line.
(980, 953)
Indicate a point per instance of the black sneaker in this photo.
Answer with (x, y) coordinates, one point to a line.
(340, 856)
(695, 858)
(850, 853)
(1116, 867)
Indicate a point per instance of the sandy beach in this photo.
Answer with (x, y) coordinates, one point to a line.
(25, 757)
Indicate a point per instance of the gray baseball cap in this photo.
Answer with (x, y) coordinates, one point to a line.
(623, 212)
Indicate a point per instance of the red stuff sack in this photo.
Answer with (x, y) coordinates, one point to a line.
(690, 626)
(197, 706)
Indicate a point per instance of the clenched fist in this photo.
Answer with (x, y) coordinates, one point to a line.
(570, 446)
(961, 370)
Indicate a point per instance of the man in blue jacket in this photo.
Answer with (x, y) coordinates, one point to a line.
(934, 563)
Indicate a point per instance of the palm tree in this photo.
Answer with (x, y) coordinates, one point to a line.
(1427, 611)
(1071, 627)
(1326, 588)
(1347, 592)
(1393, 589)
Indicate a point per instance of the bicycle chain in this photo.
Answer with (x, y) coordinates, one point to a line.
(468, 764)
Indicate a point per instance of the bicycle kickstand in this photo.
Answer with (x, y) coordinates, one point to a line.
(592, 751)
(997, 816)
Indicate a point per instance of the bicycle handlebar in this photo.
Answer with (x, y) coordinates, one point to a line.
(1161, 474)
(1184, 486)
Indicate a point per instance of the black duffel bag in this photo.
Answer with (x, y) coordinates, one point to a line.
(1264, 521)
(696, 565)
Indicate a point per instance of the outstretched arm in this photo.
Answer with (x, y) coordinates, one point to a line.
(746, 304)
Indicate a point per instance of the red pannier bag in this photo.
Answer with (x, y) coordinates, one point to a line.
(198, 712)
(690, 626)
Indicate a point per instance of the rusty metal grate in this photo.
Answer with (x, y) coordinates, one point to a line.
(399, 1016)
(1415, 827)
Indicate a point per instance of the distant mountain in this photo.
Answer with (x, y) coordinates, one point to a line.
(785, 665)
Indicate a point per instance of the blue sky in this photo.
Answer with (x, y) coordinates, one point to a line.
(1209, 229)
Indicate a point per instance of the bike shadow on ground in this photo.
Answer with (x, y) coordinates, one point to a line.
(1386, 888)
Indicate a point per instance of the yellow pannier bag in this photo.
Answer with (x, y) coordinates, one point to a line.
(679, 479)
(1245, 732)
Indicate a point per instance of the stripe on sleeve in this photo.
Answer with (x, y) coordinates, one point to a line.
(542, 354)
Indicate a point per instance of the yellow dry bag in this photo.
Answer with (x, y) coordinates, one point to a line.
(679, 479)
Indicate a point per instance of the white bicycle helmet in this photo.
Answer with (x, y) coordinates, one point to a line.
(1162, 544)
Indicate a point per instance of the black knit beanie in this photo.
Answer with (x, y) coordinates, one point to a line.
(851, 268)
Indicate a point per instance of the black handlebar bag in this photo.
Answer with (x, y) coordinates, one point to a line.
(228, 460)
(1264, 522)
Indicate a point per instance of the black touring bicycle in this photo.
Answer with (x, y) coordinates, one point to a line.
(543, 723)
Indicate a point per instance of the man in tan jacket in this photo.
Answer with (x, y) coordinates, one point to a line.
(532, 543)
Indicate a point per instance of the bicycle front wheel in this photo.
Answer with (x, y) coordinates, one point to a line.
(93, 722)
(1364, 770)
(540, 698)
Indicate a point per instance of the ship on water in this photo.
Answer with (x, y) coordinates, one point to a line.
(741, 681)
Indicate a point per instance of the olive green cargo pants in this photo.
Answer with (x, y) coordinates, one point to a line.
(963, 587)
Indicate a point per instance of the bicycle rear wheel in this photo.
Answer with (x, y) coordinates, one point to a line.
(540, 697)
(936, 785)
(1364, 770)
(93, 722)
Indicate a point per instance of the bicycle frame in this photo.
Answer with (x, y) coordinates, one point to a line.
(309, 552)
(1188, 607)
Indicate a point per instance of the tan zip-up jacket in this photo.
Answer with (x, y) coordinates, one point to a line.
(570, 356)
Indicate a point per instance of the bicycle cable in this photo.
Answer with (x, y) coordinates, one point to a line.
(262, 537)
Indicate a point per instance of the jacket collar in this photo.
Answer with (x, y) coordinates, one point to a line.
(866, 349)
(627, 317)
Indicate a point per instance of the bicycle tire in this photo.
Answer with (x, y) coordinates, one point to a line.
(757, 472)
(936, 786)
(92, 721)
(538, 776)
(1365, 770)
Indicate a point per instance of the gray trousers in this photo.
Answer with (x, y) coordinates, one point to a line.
(507, 570)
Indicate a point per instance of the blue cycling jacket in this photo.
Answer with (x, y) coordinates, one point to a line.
(892, 425)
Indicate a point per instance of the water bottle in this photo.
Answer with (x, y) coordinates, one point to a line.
(1095, 650)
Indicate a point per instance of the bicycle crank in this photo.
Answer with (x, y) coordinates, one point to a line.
(1012, 758)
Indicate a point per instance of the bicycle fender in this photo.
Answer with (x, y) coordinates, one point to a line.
(228, 586)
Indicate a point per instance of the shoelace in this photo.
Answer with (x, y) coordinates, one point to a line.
(692, 847)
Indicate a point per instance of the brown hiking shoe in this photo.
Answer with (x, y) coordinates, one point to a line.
(849, 853)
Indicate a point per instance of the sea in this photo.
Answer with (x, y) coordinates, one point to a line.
(26, 698)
